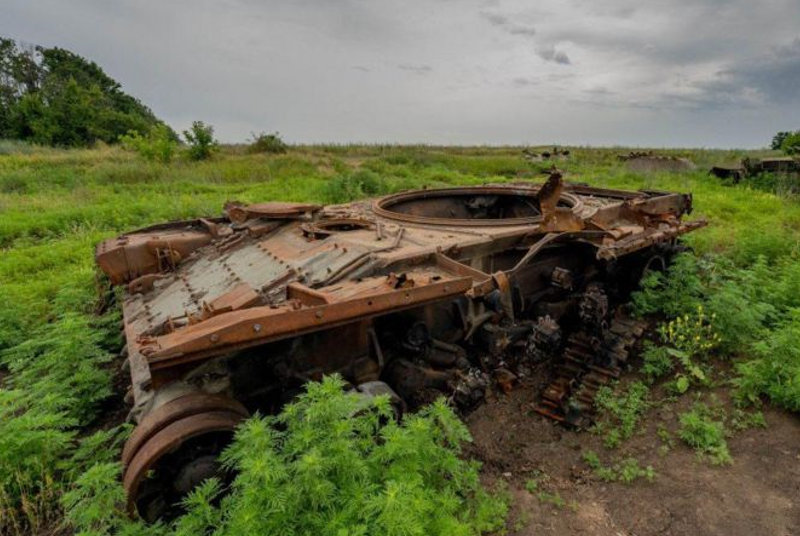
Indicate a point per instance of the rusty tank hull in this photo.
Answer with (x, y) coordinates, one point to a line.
(415, 295)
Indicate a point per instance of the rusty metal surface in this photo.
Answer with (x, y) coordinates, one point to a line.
(433, 292)
(172, 411)
(168, 440)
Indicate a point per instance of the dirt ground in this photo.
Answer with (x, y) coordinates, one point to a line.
(759, 494)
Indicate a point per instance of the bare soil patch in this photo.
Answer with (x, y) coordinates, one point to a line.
(758, 494)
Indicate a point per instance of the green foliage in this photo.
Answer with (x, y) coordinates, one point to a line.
(56, 204)
(791, 143)
(775, 371)
(744, 420)
(555, 499)
(626, 471)
(688, 341)
(200, 138)
(355, 185)
(95, 505)
(703, 429)
(330, 463)
(656, 361)
(675, 293)
(748, 312)
(51, 96)
(158, 146)
(267, 143)
(778, 139)
(619, 414)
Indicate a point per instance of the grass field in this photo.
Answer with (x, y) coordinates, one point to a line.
(59, 325)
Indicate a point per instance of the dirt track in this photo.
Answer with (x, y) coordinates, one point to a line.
(758, 495)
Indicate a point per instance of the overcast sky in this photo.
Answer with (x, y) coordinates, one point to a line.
(714, 73)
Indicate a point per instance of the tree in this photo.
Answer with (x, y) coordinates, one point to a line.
(201, 141)
(791, 143)
(777, 140)
(53, 96)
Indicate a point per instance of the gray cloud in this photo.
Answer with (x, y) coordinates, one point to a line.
(507, 24)
(495, 19)
(468, 71)
(556, 56)
(773, 78)
(416, 69)
(524, 82)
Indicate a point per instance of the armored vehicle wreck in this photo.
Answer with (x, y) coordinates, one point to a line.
(414, 295)
(648, 161)
(785, 166)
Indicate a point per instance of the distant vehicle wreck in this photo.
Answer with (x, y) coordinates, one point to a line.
(644, 161)
(416, 295)
(751, 167)
(556, 154)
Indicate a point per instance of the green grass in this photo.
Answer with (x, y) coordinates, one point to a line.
(59, 322)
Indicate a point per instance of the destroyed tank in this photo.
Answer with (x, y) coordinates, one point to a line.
(416, 295)
(747, 168)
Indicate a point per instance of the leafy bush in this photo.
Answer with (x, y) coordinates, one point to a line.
(791, 143)
(657, 361)
(56, 384)
(158, 146)
(355, 185)
(201, 141)
(704, 430)
(267, 143)
(331, 463)
(750, 313)
(674, 293)
(775, 371)
(619, 414)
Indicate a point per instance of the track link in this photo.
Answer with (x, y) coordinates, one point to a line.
(588, 362)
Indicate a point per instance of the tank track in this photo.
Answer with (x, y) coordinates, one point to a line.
(589, 361)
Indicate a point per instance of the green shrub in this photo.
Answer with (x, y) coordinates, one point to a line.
(704, 429)
(267, 143)
(158, 146)
(775, 370)
(200, 138)
(331, 463)
(674, 293)
(791, 143)
(657, 361)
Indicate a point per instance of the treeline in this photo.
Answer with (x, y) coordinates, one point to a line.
(52, 96)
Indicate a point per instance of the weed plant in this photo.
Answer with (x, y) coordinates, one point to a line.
(331, 463)
(703, 428)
